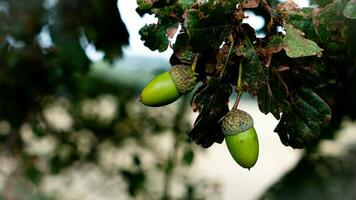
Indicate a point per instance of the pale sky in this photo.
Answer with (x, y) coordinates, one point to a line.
(134, 22)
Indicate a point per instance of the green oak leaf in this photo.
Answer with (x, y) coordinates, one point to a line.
(274, 45)
(350, 10)
(204, 33)
(302, 19)
(209, 24)
(298, 46)
(169, 14)
(330, 22)
(191, 22)
(275, 41)
(302, 124)
(264, 82)
(155, 37)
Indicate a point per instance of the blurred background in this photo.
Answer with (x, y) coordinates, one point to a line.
(71, 125)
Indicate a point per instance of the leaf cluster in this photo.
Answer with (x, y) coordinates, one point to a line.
(294, 70)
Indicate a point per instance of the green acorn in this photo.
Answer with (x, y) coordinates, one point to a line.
(241, 138)
(169, 86)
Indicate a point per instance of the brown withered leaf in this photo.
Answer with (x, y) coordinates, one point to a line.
(287, 6)
(268, 51)
(171, 32)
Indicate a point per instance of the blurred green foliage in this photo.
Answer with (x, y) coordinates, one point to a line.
(56, 113)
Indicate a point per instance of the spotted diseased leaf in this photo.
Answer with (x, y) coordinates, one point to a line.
(329, 22)
(254, 73)
(302, 19)
(298, 46)
(264, 82)
(208, 25)
(274, 45)
(350, 10)
(302, 124)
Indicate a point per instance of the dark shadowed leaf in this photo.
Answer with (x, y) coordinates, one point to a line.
(154, 37)
(211, 100)
(207, 131)
(302, 124)
(273, 96)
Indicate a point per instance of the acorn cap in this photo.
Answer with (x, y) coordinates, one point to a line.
(184, 78)
(235, 122)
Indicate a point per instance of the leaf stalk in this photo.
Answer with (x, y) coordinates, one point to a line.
(239, 87)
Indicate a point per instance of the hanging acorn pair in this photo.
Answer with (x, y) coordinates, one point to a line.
(237, 125)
